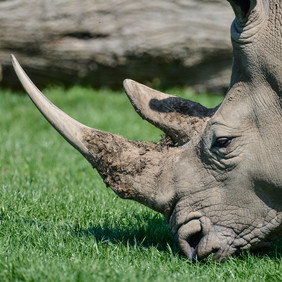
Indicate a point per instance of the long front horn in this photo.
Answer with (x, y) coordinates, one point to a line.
(69, 128)
(133, 170)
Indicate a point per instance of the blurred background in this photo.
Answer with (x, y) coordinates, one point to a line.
(161, 43)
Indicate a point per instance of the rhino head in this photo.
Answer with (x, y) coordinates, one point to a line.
(216, 177)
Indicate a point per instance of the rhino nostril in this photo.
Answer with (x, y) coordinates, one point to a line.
(194, 240)
(192, 236)
(189, 236)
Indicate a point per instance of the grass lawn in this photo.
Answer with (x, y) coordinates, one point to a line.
(59, 222)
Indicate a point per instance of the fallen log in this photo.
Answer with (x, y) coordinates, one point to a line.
(101, 42)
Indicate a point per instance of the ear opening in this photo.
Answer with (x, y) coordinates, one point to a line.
(242, 7)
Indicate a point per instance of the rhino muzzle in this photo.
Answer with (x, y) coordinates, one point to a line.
(216, 176)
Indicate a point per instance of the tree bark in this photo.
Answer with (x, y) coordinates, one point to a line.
(101, 42)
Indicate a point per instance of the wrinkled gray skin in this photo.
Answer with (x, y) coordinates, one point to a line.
(216, 177)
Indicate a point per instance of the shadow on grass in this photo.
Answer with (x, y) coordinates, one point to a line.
(275, 251)
(154, 233)
(157, 234)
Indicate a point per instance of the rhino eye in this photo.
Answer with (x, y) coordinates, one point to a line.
(222, 142)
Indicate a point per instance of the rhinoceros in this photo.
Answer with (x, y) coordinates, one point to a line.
(217, 175)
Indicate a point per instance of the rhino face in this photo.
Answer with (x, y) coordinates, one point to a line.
(216, 177)
(228, 194)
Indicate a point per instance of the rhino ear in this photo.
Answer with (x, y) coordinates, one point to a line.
(242, 7)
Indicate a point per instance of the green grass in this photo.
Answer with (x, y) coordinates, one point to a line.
(59, 222)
